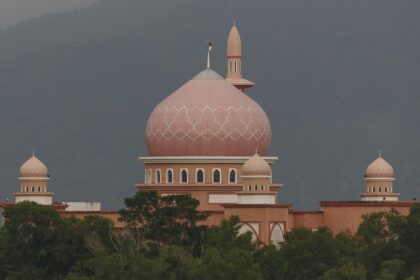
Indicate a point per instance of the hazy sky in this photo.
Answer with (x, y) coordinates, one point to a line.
(15, 11)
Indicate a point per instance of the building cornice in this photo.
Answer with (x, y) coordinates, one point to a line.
(33, 178)
(189, 187)
(379, 179)
(236, 205)
(202, 159)
(257, 193)
(33, 194)
(256, 176)
(197, 187)
(359, 203)
(381, 194)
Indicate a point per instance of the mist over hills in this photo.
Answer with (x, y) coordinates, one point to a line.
(339, 81)
(15, 11)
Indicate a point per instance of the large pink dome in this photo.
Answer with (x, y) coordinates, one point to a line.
(208, 116)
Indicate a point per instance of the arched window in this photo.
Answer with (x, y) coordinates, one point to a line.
(216, 176)
(184, 176)
(26, 189)
(157, 176)
(33, 189)
(386, 189)
(39, 189)
(200, 176)
(380, 189)
(149, 176)
(374, 189)
(232, 176)
(169, 176)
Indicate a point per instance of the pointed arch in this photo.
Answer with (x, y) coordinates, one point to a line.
(157, 176)
(216, 176)
(184, 176)
(169, 176)
(199, 178)
(232, 176)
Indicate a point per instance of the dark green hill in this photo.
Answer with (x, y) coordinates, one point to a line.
(339, 80)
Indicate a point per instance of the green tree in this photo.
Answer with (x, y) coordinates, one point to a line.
(410, 239)
(394, 269)
(233, 264)
(171, 219)
(377, 241)
(36, 243)
(226, 236)
(304, 255)
(28, 238)
(346, 271)
(115, 266)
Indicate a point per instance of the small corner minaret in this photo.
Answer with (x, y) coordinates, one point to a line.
(379, 178)
(256, 180)
(234, 60)
(33, 182)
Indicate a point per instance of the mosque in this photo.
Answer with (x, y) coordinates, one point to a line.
(210, 140)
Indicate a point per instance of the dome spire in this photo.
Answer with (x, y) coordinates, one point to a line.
(208, 53)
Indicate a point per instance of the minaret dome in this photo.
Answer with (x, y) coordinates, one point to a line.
(33, 167)
(234, 60)
(379, 168)
(234, 43)
(256, 166)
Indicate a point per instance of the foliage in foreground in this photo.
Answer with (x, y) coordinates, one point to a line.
(166, 239)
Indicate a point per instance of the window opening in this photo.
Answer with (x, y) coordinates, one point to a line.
(200, 176)
(216, 176)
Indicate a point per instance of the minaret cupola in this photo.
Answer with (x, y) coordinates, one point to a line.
(379, 179)
(256, 181)
(33, 182)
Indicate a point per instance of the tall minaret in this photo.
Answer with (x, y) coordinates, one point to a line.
(234, 60)
(33, 182)
(379, 178)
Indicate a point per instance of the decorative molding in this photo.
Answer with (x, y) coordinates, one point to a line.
(34, 178)
(202, 159)
(379, 179)
(217, 121)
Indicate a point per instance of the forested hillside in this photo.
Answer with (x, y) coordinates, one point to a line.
(339, 80)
